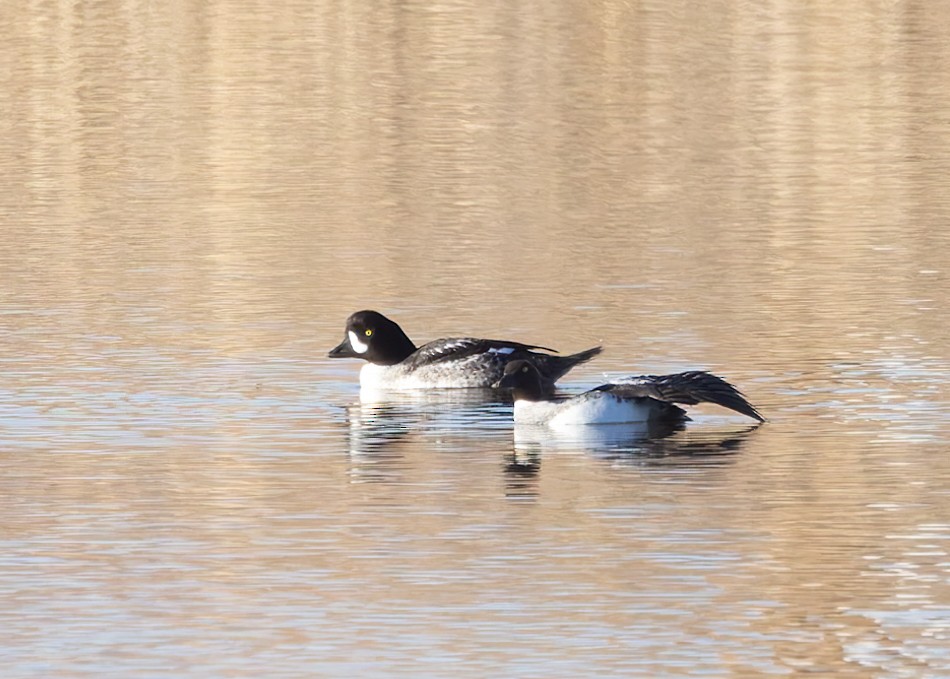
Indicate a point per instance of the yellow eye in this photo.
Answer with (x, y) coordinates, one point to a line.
(368, 332)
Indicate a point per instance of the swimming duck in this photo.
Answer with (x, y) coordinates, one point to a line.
(394, 362)
(645, 398)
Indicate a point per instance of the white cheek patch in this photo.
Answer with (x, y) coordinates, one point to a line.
(502, 350)
(358, 346)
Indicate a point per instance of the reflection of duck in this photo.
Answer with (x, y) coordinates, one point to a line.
(374, 432)
(394, 362)
(696, 446)
(471, 409)
(424, 399)
(521, 474)
(635, 443)
(647, 399)
(588, 438)
(383, 421)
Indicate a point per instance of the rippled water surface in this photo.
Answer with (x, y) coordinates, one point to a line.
(194, 196)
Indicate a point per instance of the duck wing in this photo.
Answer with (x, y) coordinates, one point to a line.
(495, 354)
(456, 348)
(553, 368)
(690, 388)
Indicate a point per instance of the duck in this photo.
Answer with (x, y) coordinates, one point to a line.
(394, 362)
(635, 399)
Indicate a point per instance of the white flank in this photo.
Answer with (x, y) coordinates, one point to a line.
(535, 412)
(594, 409)
(374, 376)
(502, 350)
(358, 346)
(440, 376)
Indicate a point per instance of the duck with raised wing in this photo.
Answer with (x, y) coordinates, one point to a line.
(646, 398)
(394, 362)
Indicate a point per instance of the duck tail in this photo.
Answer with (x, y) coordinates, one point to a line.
(554, 368)
(698, 386)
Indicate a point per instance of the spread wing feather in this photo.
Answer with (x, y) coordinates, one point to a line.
(695, 386)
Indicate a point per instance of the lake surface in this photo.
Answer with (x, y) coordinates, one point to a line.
(194, 196)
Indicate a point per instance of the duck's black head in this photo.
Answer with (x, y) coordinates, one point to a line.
(524, 380)
(374, 338)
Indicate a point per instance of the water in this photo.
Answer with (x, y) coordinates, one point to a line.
(195, 197)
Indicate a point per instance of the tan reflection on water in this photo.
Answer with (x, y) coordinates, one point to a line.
(195, 195)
